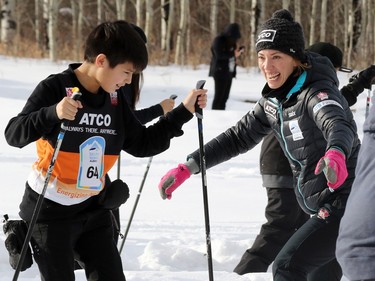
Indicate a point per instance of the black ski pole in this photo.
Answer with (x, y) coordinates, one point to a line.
(138, 196)
(199, 114)
(64, 125)
(135, 204)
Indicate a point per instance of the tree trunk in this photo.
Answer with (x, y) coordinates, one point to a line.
(232, 11)
(312, 21)
(138, 7)
(168, 20)
(286, 4)
(38, 25)
(100, 11)
(120, 9)
(8, 25)
(323, 21)
(213, 18)
(297, 11)
(149, 17)
(350, 32)
(181, 34)
(253, 30)
(52, 27)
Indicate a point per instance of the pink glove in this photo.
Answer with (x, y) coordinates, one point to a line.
(173, 179)
(334, 167)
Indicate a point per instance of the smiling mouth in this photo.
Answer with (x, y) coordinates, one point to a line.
(273, 77)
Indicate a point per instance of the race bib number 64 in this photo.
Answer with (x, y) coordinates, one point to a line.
(91, 163)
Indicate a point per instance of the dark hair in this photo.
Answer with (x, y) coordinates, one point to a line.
(119, 42)
(135, 87)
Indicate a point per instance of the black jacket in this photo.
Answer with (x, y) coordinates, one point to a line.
(222, 51)
(308, 121)
(105, 118)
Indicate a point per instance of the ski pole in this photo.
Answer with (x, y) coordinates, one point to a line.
(368, 101)
(199, 114)
(135, 204)
(64, 126)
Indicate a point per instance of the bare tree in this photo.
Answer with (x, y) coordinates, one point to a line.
(213, 18)
(181, 34)
(253, 29)
(139, 12)
(167, 21)
(120, 9)
(312, 21)
(232, 11)
(323, 21)
(53, 9)
(149, 17)
(100, 12)
(8, 24)
(38, 24)
(297, 10)
(77, 22)
(286, 4)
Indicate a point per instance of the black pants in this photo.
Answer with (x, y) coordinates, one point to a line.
(223, 83)
(311, 246)
(284, 216)
(88, 240)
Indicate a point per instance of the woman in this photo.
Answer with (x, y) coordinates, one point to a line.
(303, 107)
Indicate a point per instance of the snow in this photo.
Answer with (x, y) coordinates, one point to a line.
(167, 239)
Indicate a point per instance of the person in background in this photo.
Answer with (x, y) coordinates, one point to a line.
(225, 51)
(284, 215)
(144, 115)
(74, 220)
(132, 93)
(302, 106)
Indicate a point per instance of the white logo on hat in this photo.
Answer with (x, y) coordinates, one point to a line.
(267, 35)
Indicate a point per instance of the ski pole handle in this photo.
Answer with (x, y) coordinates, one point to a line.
(75, 96)
(198, 110)
(173, 97)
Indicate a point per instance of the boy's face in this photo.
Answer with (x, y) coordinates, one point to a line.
(111, 79)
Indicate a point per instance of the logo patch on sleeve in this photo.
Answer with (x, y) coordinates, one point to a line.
(322, 104)
(322, 96)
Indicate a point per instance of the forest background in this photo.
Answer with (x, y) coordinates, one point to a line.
(181, 31)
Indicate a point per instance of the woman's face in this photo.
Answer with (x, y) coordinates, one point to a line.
(276, 67)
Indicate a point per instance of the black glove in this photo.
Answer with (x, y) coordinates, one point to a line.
(15, 231)
(114, 195)
(365, 78)
(357, 83)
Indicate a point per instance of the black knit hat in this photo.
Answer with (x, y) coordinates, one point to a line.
(282, 33)
(332, 52)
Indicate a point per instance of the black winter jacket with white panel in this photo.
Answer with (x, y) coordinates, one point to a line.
(308, 115)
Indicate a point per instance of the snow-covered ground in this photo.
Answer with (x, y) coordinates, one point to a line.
(166, 240)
